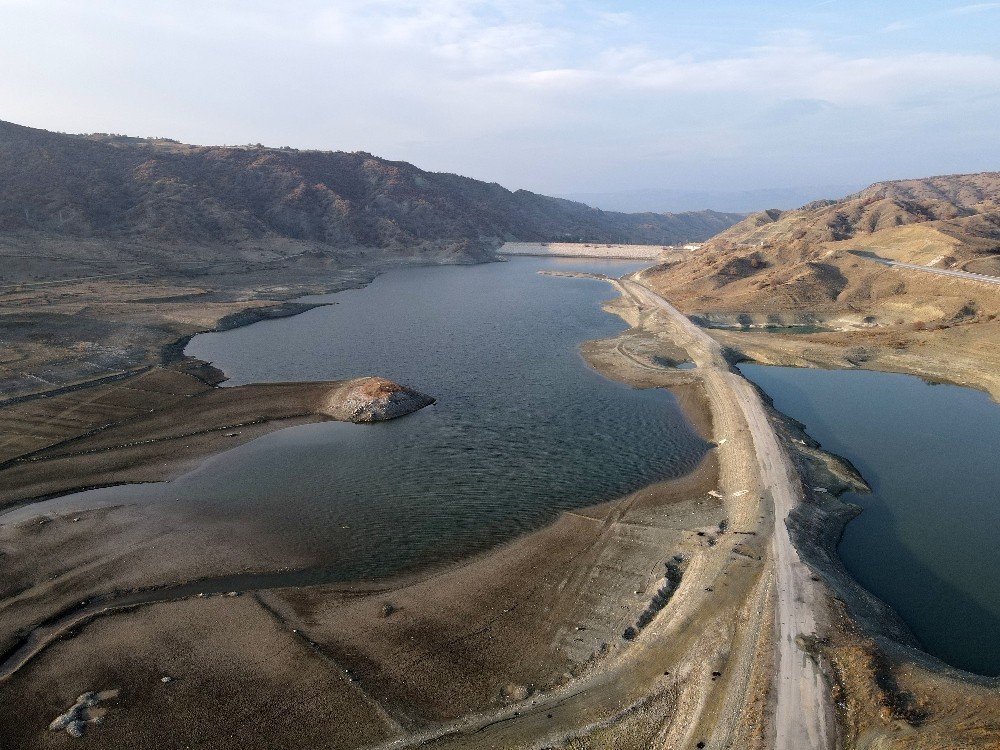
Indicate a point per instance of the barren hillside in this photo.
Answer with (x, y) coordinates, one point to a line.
(777, 262)
(115, 247)
(161, 191)
(800, 268)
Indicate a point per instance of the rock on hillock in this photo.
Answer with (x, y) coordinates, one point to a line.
(372, 399)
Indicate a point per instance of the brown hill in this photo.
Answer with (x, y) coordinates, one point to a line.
(965, 205)
(161, 191)
(779, 261)
(797, 268)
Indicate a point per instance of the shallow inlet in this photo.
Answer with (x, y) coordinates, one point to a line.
(926, 541)
(522, 428)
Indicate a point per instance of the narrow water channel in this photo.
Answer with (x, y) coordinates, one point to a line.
(926, 542)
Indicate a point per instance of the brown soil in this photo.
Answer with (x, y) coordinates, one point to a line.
(522, 646)
(524, 618)
(237, 677)
(151, 427)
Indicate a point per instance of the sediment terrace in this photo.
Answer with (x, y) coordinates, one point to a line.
(584, 250)
(486, 650)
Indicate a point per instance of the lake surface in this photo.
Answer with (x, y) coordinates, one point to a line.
(522, 428)
(926, 542)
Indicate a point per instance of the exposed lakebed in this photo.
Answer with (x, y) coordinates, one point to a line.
(926, 541)
(522, 428)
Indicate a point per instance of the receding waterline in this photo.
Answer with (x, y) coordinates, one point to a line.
(522, 428)
(925, 542)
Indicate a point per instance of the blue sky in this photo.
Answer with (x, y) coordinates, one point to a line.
(558, 97)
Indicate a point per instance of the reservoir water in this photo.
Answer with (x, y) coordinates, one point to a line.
(522, 429)
(926, 542)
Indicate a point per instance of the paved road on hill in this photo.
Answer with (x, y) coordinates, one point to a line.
(803, 718)
(967, 275)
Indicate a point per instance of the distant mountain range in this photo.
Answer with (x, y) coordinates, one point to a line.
(161, 191)
(741, 201)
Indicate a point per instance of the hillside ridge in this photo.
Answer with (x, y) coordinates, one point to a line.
(162, 191)
(970, 202)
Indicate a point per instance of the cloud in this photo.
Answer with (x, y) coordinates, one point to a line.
(965, 10)
(609, 18)
(477, 34)
(796, 71)
(539, 93)
(962, 10)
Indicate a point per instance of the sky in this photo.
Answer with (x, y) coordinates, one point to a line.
(556, 97)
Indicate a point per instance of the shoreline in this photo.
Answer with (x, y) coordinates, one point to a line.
(177, 465)
(818, 538)
(816, 527)
(179, 374)
(340, 621)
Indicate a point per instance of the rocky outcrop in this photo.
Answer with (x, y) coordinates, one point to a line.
(85, 711)
(372, 399)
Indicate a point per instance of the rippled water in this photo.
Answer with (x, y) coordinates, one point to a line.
(522, 429)
(926, 542)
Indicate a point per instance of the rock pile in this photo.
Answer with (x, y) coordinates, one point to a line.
(84, 711)
(373, 399)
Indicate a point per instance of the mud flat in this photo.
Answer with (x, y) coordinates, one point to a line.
(395, 659)
(644, 620)
(450, 642)
(167, 420)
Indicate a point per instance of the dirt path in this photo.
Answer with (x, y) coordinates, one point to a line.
(968, 275)
(35, 284)
(802, 709)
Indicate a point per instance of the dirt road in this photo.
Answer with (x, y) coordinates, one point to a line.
(968, 275)
(802, 709)
(698, 674)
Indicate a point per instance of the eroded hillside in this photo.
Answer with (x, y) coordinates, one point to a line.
(114, 247)
(802, 268)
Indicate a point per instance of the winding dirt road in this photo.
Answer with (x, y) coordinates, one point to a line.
(803, 713)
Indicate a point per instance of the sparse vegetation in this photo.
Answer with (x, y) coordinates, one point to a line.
(158, 190)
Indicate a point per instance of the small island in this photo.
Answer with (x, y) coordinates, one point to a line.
(372, 399)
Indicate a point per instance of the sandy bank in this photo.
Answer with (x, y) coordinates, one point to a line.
(584, 250)
(535, 615)
(153, 427)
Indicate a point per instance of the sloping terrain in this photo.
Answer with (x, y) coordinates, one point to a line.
(816, 287)
(161, 191)
(962, 204)
(803, 268)
(112, 248)
(778, 266)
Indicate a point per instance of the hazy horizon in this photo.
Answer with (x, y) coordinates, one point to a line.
(560, 98)
(674, 200)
